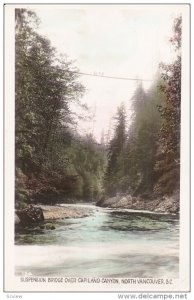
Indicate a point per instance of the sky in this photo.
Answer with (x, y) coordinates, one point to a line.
(116, 40)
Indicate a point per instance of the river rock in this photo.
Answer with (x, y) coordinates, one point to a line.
(49, 226)
(123, 201)
(167, 204)
(30, 214)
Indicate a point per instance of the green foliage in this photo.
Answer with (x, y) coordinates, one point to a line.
(51, 158)
(87, 161)
(143, 139)
(168, 164)
(114, 174)
(45, 87)
(132, 155)
(145, 161)
(21, 191)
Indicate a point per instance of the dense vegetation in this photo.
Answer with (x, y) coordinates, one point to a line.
(131, 163)
(53, 161)
(51, 158)
(144, 156)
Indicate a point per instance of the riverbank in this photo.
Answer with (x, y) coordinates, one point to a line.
(166, 204)
(33, 214)
(62, 212)
(110, 243)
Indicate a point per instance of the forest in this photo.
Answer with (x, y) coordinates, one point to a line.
(55, 163)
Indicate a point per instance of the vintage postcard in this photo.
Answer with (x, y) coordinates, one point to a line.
(97, 147)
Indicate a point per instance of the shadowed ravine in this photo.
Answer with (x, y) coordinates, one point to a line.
(108, 243)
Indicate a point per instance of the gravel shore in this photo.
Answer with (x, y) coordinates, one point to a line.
(61, 212)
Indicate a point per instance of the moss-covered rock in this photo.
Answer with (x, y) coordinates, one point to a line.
(49, 226)
(30, 215)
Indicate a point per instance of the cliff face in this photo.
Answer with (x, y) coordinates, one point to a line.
(166, 204)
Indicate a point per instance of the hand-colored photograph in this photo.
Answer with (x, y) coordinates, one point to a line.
(97, 135)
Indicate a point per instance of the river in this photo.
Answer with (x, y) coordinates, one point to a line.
(109, 243)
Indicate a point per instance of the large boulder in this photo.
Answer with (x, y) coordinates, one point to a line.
(30, 215)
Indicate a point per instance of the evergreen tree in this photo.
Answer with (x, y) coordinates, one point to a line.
(115, 167)
(142, 140)
(168, 162)
(45, 87)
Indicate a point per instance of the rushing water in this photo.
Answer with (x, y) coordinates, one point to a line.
(110, 243)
